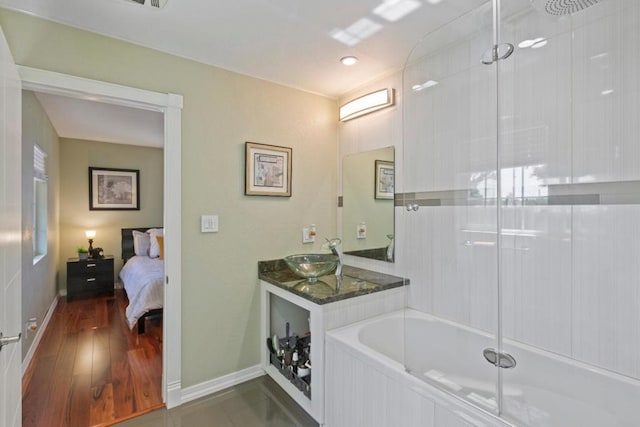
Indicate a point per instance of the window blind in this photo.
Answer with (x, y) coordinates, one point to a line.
(39, 163)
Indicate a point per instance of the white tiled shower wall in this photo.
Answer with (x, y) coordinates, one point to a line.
(569, 113)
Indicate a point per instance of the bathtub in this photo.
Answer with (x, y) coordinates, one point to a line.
(366, 383)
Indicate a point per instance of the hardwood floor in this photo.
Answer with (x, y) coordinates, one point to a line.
(90, 369)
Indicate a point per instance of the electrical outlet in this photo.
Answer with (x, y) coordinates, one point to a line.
(361, 231)
(306, 235)
(32, 324)
(309, 234)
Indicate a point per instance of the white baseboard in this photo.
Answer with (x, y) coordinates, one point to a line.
(63, 292)
(40, 332)
(173, 396)
(208, 387)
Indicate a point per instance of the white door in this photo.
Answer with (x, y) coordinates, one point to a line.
(10, 238)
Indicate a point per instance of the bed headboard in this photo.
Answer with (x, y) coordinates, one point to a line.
(127, 241)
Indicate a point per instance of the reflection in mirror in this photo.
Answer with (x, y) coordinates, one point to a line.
(367, 197)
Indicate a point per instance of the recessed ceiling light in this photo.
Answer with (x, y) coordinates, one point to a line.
(349, 60)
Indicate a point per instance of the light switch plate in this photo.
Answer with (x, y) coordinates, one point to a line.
(209, 224)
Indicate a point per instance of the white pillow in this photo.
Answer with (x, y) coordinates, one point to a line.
(154, 247)
(141, 243)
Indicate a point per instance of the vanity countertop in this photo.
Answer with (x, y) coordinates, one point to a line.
(355, 282)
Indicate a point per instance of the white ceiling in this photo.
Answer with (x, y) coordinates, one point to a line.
(96, 121)
(290, 42)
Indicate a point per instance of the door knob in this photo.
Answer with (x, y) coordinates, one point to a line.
(8, 340)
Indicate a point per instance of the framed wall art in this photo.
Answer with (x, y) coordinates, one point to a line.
(114, 189)
(384, 177)
(267, 170)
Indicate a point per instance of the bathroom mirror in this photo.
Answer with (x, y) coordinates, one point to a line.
(368, 181)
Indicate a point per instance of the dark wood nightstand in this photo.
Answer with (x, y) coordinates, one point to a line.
(89, 278)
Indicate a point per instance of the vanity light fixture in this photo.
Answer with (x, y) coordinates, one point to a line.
(349, 60)
(368, 103)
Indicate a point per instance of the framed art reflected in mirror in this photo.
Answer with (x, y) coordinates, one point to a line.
(384, 180)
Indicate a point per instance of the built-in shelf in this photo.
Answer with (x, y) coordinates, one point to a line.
(282, 301)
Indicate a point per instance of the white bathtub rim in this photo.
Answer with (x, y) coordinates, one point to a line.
(351, 338)
(396, 372)
(348, 338)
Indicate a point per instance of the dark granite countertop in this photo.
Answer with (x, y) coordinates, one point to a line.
(355, 282)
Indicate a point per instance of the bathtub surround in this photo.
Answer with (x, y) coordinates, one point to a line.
(596, 193)
(366, 376)
(367, 385)
(568, 201)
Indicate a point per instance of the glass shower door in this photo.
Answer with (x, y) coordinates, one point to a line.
(570, 157)
(450, 178)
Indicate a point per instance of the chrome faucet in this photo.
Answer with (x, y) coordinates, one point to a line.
(335, 247)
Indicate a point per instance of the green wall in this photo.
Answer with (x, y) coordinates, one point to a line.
(222, 110)
(38, 280)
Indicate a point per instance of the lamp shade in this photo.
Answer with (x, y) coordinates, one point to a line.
(90, 234)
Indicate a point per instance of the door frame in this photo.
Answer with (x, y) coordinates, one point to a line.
(170, 105)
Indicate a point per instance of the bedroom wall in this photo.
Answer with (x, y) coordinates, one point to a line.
(222, 110)
(38, 280)
(76, 156)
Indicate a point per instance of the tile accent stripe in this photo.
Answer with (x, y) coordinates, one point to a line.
(601, 193)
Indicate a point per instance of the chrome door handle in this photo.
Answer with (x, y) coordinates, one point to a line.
(9, 340)
(501, 360)
(497, 53)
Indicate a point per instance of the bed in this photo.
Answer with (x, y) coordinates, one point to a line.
(143, 279)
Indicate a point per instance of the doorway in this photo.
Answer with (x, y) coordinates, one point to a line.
(170, 105)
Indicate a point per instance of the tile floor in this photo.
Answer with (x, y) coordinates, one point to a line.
(256, 403)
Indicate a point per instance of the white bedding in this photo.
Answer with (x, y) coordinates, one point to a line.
(143, 279)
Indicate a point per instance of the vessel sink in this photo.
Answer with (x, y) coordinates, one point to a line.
(311, 266)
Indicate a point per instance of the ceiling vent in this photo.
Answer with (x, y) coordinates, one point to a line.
(153, 4)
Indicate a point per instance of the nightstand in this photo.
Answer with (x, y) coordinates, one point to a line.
(89, 278)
